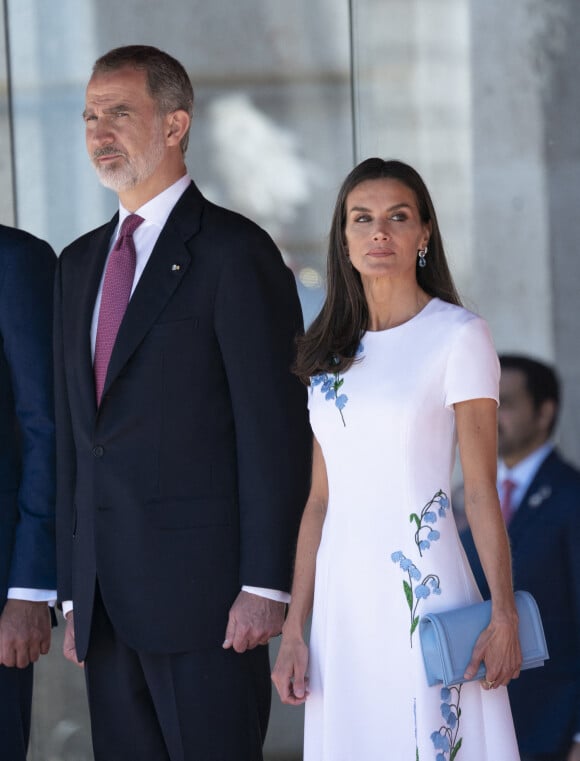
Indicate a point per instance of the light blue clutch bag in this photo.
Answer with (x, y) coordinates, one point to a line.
(448, 638)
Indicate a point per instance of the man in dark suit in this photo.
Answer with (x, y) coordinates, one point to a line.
(540, 495)
(27, 542)
(184, 458)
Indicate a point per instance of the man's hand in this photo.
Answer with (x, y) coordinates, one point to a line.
(69, 648)
(253, 620)
(24, 632)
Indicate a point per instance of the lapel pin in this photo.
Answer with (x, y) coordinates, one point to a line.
(538, 497)
(175, 267)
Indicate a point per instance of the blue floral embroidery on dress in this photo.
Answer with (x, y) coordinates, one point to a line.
(425, 534)
(445, 739)
(331, 383)
(429, 584)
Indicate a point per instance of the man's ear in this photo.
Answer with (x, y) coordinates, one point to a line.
(177, 124)
(546, 415)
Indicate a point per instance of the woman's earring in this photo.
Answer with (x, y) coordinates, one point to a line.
(422, 256)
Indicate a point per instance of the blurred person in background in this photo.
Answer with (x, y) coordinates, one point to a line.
(27, 477)
(540, 500)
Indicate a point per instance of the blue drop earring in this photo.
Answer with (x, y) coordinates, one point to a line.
(422, 256)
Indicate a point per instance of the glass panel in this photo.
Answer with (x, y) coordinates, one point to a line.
(481, 102)
(272, 129)
(6, 198)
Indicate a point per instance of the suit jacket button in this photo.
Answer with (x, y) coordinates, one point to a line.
(98, 451)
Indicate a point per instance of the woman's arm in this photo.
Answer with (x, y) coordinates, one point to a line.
(498, 645)
(289, 674)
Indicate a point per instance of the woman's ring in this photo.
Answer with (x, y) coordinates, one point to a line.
(488, 685)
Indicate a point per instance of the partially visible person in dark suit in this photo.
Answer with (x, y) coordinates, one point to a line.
(27, 542)
(540, 497)
(182, 436)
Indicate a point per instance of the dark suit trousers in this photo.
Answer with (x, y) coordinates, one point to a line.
(544, 757)
(15, 706)
(210, 705)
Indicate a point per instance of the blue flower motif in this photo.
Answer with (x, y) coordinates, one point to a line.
(329, 386)
(441, 742)
(422, 591)
(359, 350)
(405, 563)
(446, 739)
(396, 556)
(415, 573)
(425, 520)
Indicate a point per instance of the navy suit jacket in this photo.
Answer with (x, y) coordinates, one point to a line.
(546, 562)
(27, 469)
(190, 478)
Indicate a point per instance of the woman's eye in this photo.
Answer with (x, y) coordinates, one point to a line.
(362, 218)
(399, 217)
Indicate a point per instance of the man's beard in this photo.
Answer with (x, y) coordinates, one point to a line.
(127, 173)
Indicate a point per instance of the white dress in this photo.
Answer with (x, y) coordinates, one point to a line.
(390, 550)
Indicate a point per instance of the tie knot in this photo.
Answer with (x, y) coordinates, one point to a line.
(508, 485)
(130, 224)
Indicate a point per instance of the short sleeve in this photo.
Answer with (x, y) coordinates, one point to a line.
(472, 366)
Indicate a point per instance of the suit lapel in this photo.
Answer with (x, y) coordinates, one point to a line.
(87, 294)
(167, 265)
(536, 499)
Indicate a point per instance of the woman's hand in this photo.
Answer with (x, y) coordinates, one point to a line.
(289, 673)
(498, 646)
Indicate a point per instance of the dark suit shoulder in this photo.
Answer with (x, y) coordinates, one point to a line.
(234, 231)
(85, 241)
(15, 242)
(560, 474)
(227, 232)
(560, 466)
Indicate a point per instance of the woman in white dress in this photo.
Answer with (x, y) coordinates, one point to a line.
(398, 373)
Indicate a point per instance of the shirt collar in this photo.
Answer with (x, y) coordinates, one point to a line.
(523, 473)
(158, 209)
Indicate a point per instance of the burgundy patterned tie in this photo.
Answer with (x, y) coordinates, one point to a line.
(507, 508)
(115, 297)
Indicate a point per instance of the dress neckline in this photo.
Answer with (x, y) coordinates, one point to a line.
(412, 319)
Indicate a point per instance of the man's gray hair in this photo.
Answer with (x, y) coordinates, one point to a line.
(168, 82)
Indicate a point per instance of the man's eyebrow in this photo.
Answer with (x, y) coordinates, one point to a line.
(109, 110)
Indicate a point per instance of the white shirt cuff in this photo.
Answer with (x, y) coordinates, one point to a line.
(271, 594)
(32, 595)
(67, 606)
